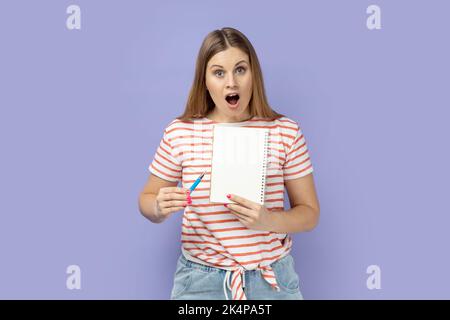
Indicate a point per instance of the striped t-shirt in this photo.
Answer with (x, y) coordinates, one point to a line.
(210, 234)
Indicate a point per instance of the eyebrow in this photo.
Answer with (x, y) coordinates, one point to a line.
(216, 65)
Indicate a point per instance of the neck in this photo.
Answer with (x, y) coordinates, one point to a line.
(227, 119)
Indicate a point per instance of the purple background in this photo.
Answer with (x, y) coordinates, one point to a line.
(82, 112)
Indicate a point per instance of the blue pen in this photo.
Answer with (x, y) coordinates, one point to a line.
(194, 185)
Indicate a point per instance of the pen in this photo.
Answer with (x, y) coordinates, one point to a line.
(194, 185)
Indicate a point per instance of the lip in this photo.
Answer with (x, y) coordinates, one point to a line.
(230, 93)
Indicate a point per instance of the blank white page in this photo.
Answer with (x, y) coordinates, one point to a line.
(239, 161)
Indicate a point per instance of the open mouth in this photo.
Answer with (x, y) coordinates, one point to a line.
(232, 98)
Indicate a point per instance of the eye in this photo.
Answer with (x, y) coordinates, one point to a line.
(242, 68)
(218, 71)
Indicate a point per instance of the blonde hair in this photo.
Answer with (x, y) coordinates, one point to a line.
(199, 102)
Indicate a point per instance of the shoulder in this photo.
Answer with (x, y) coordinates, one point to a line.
(289, 131)
(178, 127)
(286, 122)
(287, 125)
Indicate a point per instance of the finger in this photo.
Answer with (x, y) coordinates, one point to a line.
(175, 190)
(245, 202)
(174, 196)
(173, 203)
(239, 209)
(171, 210)
(242, 218)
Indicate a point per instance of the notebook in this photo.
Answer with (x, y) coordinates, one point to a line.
(239, 163)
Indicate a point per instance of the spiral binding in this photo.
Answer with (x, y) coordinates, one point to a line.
(264, 171)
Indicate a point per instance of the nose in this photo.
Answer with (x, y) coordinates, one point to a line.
(231, 82)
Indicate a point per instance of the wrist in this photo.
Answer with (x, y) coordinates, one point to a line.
(271, 221)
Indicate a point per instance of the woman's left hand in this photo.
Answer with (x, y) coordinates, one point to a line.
(251, 214)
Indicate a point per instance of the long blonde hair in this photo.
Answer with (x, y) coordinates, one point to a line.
(199, 102)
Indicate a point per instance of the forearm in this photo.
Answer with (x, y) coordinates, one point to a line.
(147, 207)
(300, 218)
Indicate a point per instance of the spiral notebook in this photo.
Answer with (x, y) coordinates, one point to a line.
(239, 163)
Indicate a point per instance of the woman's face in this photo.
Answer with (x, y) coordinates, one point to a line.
(228, 72)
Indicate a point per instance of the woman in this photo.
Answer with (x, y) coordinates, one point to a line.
(242, 249)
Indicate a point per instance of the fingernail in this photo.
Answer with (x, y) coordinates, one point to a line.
(188, 191)
(228, 196)
(226, 206)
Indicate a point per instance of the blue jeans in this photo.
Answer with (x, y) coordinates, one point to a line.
(195, 281)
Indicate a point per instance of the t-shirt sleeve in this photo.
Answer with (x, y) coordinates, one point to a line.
(298, 162)
(165, 165)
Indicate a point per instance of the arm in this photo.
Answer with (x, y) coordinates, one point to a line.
(305, 209)
(147, 198)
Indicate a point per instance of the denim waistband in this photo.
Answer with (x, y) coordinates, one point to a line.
(205, 268)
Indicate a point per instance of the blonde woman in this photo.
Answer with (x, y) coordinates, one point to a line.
(242, 250)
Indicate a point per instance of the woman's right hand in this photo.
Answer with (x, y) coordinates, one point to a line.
(170, 200)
